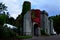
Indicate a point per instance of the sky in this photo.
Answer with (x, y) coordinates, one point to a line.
(15, 6)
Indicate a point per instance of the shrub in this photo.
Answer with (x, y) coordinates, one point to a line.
(6, 32)
(43, 33)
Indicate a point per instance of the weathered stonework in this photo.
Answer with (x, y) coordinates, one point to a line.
(29, 25)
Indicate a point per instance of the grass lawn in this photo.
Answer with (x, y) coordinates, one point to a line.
(23, 37)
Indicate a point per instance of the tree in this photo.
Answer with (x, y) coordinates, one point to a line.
(3, 16)
(3, 8)
(56, 23)
(2, 19)
(5, 32)
(11, 20)
(18, 23)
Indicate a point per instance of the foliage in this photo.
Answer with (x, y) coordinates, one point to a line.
(2, 7)
(11, 20)
(6, 32)
(26, 7)
(36, 16)
(2, 19)
(43, 33)
(33, 15)
(23, 37)
(19, 20)
(56, 23)
(3, 16)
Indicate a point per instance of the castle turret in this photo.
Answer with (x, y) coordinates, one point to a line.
(26, 7)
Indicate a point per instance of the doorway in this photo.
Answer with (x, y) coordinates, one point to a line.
(35, 29)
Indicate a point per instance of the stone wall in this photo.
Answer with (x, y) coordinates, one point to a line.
(27, 25)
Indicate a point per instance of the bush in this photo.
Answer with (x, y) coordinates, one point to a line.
(42, 32)
(6, 32)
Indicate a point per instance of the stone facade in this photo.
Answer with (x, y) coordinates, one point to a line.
(51, 27)
(44, 22)
(34, 28)
(27, 24)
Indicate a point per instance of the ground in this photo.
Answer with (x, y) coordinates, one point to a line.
(55, 37)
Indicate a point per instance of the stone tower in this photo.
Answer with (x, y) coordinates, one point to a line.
(26, 7)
